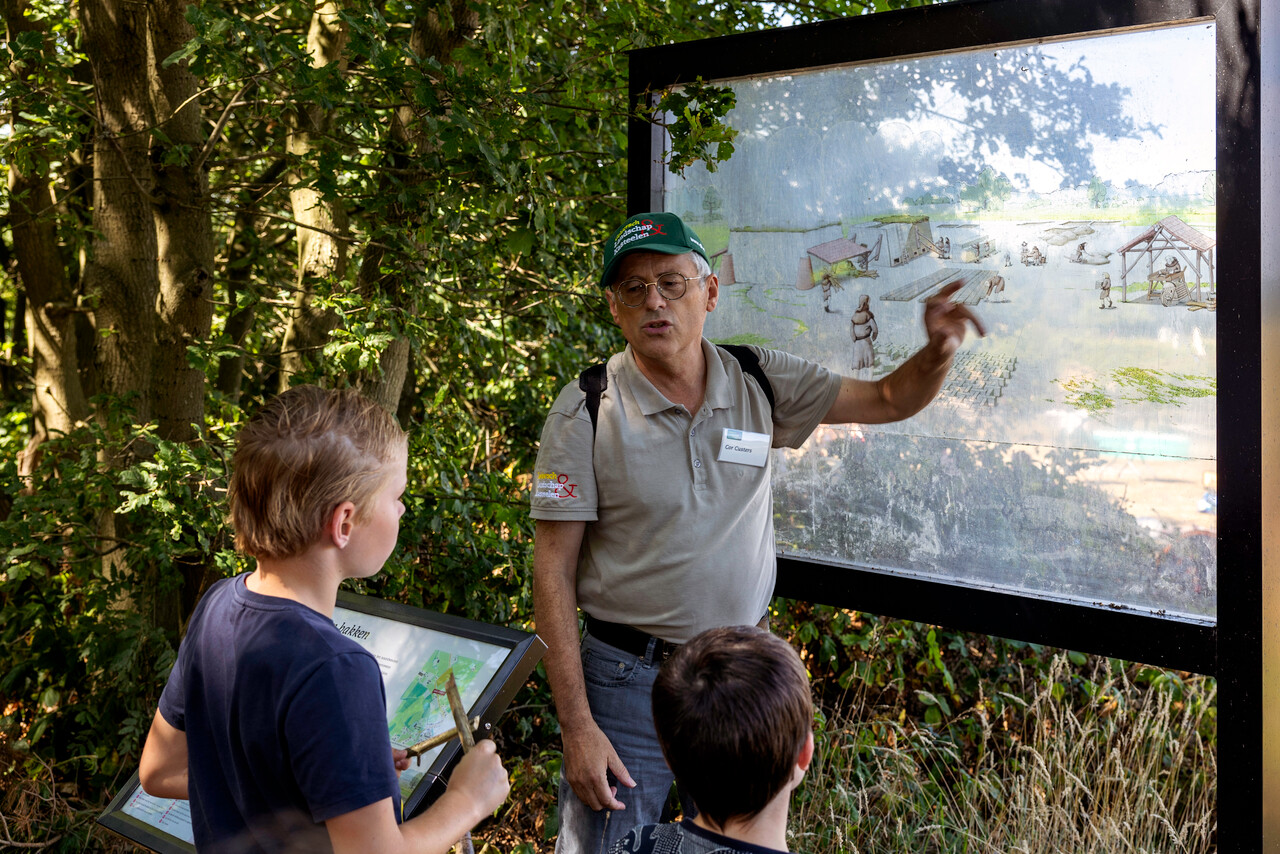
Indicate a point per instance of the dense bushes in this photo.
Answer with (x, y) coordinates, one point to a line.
(926, 733)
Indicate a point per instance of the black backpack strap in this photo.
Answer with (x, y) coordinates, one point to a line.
(751, 364)
(593, 381)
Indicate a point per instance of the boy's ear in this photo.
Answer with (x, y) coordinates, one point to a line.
(341, 523)
(803, 758)
(806, 754)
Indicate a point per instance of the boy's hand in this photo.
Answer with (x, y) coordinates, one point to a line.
(588, 758)
(400, 758)
(480, 778)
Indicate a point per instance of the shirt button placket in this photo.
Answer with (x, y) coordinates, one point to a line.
(699, 473)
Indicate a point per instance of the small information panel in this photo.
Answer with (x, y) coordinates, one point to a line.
(416, 650)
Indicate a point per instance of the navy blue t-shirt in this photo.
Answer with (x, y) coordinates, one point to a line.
(286, 723)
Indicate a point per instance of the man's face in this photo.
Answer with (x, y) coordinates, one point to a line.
(662, 330)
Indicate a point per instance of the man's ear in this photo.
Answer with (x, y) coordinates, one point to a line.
(713, 291)
(611, 298)
(340, 524)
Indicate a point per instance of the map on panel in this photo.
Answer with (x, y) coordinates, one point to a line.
(423, 710)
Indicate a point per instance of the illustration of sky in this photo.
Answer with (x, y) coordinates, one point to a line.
(815, 147)
(1169, 78)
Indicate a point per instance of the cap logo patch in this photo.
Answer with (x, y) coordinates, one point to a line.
(639, 230)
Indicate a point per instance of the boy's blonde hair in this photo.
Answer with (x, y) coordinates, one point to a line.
(304, 453)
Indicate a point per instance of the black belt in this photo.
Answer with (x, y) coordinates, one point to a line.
(629, 639)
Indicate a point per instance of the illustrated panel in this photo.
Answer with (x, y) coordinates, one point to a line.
(1068, 187)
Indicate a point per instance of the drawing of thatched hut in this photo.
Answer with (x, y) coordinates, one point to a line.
(1170, 238)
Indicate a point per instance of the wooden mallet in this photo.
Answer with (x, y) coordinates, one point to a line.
(468, 740)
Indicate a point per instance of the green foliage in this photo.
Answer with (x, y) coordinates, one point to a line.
(1097, 192)
(1151, 386)
(928, 199)
(89, 665)
(698, 132)
(746, 338)
(990, 190)
(1084, 393)
(903, 218)
(1136, 385)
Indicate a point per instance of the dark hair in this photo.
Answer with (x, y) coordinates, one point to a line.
(304, 453)
(732, 709)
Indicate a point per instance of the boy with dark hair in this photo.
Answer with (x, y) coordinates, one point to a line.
(273, 723)
(735, 718)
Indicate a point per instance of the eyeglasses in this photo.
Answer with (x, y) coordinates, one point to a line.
(633, 292)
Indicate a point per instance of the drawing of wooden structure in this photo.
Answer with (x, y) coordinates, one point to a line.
(904, 239)
(725, 271)
(971, 292)
(1169, 235)
(975, 250)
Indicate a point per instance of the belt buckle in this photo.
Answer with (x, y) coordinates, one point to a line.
(668, 649)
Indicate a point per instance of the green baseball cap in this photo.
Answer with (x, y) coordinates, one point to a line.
(649, 232)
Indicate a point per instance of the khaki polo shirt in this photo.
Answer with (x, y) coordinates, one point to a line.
(676, 541)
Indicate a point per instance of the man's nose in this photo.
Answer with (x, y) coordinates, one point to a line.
(653, 297)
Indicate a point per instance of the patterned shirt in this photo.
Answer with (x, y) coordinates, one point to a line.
(683, 838)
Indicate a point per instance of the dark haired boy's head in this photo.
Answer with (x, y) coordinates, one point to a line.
(733, 712)
(304, 453)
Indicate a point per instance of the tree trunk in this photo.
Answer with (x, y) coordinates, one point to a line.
(148, 270)
(58, 401)
(184, 233)
(322, 251)
(385, 389)
(122, 274)
(242, 257)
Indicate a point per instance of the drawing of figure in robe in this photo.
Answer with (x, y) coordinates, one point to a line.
(863, 330)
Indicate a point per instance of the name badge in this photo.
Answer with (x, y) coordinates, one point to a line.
(739, 446)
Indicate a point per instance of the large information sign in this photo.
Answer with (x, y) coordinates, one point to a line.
(416, 650)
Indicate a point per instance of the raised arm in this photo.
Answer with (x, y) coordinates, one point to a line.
(909, 389)
(163, 768)
(588, 754)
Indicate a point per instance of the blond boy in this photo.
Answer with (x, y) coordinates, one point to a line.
(272, 723)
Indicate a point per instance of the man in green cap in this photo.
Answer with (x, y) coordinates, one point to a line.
(654, 508)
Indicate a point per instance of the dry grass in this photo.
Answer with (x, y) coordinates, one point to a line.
(1128, 771)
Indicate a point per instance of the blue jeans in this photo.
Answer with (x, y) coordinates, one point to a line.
(618, 688)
